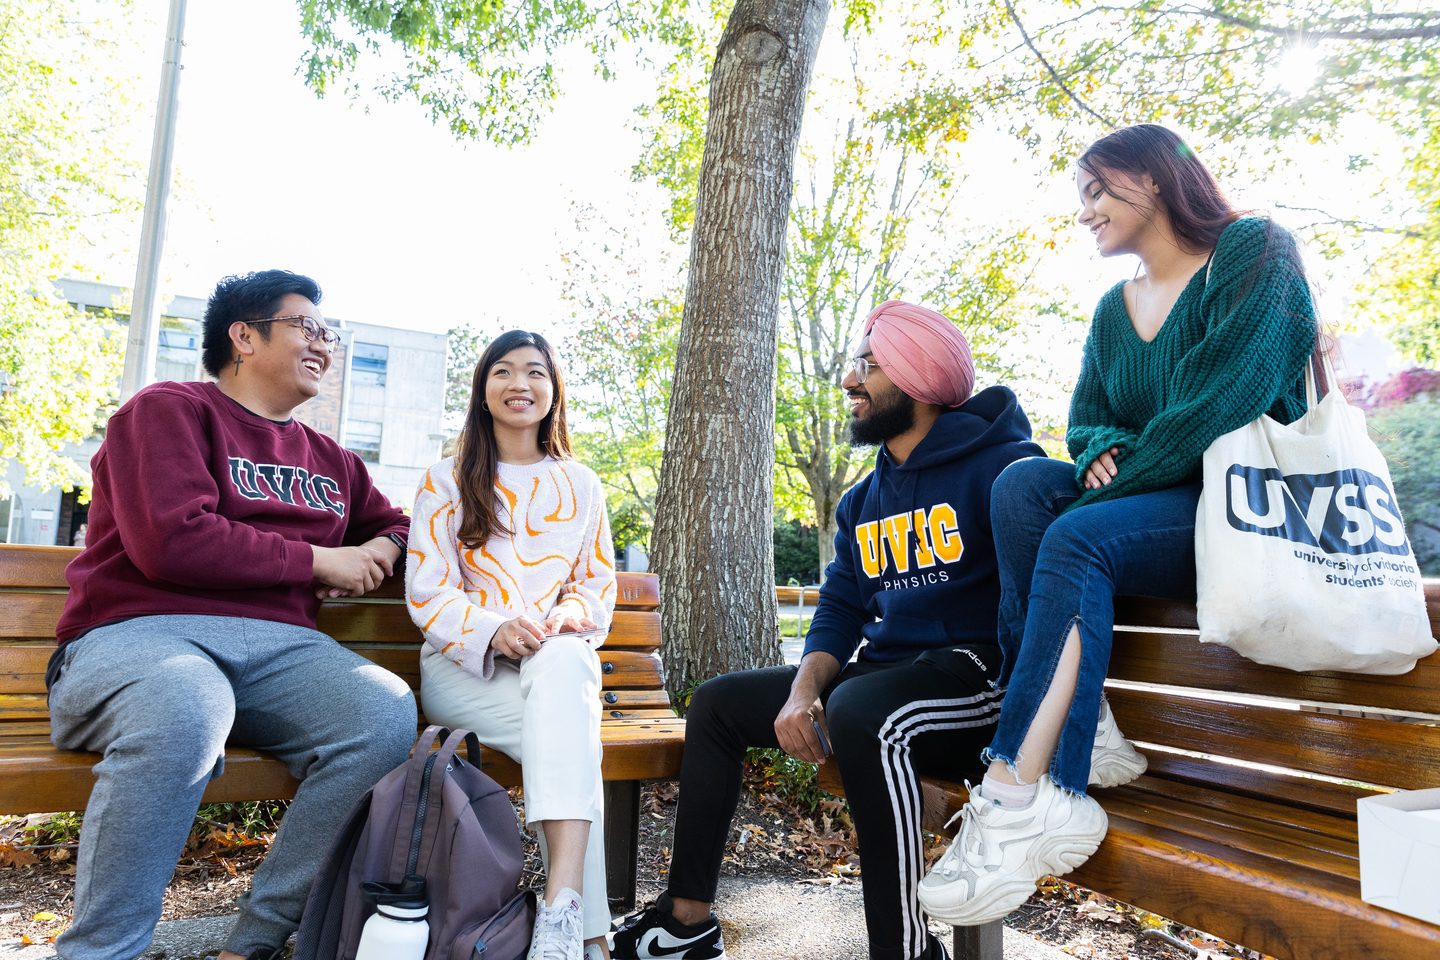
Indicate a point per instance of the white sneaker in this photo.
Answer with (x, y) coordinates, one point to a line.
(593, 952)
(557, 929)
(1000, 853)
(1113, 759)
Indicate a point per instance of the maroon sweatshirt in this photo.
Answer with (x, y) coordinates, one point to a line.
(201, 507)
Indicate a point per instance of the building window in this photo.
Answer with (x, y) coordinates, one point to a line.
(177, 355)
(363, 436)
(367, 364)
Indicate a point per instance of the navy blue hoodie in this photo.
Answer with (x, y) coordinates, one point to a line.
(914, 566)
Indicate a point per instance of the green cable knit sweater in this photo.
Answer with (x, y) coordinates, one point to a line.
(1232, 348)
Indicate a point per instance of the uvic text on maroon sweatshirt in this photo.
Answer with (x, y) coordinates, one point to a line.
(202, 507)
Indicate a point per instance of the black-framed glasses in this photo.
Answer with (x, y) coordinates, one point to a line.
(862, 368)
(310, 328)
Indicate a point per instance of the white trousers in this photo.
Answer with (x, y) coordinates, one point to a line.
(543, 712)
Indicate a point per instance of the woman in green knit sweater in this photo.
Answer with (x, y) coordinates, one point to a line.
(1214, 331)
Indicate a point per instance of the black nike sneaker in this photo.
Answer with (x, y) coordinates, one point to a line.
(653, 933)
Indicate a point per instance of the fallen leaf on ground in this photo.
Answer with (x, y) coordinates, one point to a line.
(1095, 910)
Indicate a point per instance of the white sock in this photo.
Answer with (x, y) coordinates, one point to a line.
(1013, 796)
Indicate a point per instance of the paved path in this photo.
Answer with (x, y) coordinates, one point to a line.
(762, 919)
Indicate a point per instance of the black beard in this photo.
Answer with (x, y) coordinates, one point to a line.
(886, 419)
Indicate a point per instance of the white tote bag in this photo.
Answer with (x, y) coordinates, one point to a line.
(1301, 555)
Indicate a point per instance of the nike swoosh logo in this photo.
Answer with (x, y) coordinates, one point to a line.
(651, 945)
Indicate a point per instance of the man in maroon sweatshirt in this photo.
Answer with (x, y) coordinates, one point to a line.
(218, 523)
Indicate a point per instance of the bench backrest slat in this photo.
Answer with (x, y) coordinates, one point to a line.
(1363, 749)
(32, 595)
(1181, 660)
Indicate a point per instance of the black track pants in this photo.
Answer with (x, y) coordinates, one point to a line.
(889, 724)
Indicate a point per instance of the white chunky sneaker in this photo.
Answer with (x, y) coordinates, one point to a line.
(1000, 853)
(557, 929)
(1113, 760)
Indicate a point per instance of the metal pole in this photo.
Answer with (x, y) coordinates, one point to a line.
(144, 311)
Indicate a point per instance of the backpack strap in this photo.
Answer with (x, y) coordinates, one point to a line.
(444, 757)
(431, 788)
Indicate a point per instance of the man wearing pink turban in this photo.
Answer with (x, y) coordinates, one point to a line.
(928, 356)
(897, 677)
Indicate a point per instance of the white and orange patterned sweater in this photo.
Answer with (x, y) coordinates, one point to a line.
(561, 559)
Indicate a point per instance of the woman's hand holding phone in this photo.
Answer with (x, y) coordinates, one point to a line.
(518, 638)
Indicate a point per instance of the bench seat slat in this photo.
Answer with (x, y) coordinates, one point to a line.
(1317, 849)
(34, 776)
(1301, 899)
(1366, 750)
(1280, 909)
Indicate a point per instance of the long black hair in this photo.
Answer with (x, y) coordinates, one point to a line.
(476, 457)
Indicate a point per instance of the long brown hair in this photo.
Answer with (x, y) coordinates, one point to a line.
(1198, 210)
(476, 458)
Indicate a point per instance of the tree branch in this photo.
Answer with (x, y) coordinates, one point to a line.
(1010, 8)
(1425, 26)
(1362, 225)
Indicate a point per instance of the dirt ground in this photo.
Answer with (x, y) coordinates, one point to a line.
(771, 841)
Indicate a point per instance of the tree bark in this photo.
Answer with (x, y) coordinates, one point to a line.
(712, 540)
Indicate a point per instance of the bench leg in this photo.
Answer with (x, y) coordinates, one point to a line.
(622, 841)
(985, 942)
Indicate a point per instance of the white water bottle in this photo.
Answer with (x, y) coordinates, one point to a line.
(396, 931)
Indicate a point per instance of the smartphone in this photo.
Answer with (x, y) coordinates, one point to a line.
(820, 735)
(581, 634)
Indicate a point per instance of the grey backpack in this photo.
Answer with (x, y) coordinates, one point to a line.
(437, 827)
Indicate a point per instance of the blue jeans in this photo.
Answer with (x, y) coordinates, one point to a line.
(1061, 569)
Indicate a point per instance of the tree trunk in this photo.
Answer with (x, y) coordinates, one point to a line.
(712, 538)
(825, 527)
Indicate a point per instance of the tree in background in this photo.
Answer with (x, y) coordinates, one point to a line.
(1270, 81)
(795, 552)
(620, 361)
(1404, 420)
(463, 346)
(60, 175)
(486, 70)
(876, 215)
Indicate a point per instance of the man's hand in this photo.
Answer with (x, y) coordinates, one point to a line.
(795, 727)
(518, 638)
(1102, 470)
(352, 571)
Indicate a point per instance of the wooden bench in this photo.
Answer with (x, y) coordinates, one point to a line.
(1244, 825)
(642, 736)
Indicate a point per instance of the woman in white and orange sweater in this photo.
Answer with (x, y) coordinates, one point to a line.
(511, 577)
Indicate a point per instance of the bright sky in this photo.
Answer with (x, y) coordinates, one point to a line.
(401, 225)
(405, 227)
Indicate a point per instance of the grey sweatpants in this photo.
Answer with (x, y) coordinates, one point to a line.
(159, 697)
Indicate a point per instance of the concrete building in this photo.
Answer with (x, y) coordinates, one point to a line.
(383, 398)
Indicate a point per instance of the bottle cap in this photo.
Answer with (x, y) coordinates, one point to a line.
(408, 910)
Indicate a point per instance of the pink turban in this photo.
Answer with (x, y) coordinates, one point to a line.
(924, 354)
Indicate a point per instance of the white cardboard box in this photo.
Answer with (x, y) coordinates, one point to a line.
(1399, 848)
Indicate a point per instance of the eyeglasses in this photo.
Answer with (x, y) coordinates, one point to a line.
(862, 369)
(310, 328)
